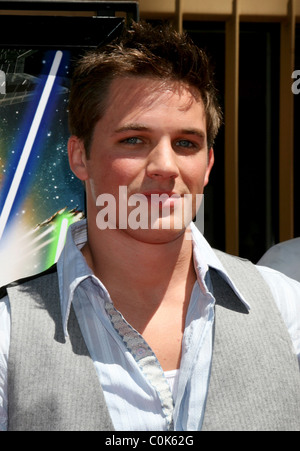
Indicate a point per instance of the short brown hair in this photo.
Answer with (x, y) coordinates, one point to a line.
(142, 51)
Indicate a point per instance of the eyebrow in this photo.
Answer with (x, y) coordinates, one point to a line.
(193, 131)
(132, 127)
(140, 127)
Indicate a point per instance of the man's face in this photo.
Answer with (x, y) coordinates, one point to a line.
(152, 140)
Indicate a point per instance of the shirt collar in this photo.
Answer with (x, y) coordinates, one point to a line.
(203, 252)
(73, 269)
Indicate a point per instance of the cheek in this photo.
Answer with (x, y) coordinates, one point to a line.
(125, 170)
(195, 176)
(114, 172)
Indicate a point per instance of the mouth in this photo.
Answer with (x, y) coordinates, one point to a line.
(160, 193)
(162, 199)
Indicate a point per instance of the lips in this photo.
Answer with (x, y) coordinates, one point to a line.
(157, 193)
(162, 199)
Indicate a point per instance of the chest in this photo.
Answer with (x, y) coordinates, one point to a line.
(164, 334)
(162, 326)
(132, 376)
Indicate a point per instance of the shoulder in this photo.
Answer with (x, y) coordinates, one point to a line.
(286, 293)
(280, 283)
(284, 290)
(238, 268)
(29, 284)
(27, 280)
(34, 304)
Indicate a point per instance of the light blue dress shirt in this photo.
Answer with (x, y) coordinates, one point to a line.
(136, 389)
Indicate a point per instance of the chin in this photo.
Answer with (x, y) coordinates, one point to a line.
(156, 236)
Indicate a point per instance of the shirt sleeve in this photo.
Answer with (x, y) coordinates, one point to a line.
(286, 293)
(4, 349)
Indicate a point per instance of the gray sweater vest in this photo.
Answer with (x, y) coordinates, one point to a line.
(53, 386)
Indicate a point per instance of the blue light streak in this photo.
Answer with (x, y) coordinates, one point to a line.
(14, 187)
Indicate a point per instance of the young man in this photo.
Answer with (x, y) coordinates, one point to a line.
(171, 336)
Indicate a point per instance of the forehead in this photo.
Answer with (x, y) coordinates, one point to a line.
(138, 95)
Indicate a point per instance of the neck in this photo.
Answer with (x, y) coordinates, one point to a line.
(121, 261)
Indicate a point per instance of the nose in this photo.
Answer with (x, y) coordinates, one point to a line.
(162, 161)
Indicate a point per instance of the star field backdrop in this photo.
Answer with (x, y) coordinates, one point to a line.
(39, 195)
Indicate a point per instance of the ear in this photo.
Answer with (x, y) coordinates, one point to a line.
(77, 158)
(211, 160)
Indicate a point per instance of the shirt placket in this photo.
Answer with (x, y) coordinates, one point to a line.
(146, 360)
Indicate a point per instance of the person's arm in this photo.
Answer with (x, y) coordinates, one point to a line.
(4, 349)
(286, 292)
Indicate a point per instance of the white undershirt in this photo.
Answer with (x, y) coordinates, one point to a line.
(172, 378)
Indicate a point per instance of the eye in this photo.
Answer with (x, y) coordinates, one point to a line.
(185, 143)
(133, 140)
